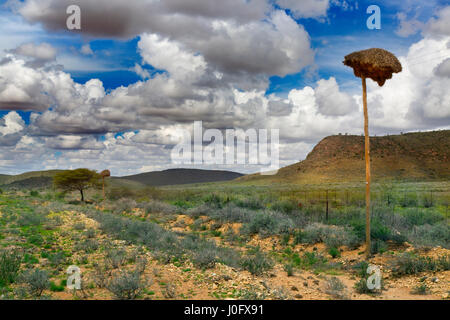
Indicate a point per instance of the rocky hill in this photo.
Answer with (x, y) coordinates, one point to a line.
(412, 156)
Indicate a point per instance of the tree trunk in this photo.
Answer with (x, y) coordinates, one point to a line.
(82, 195)
(367, 156)
(103, 182)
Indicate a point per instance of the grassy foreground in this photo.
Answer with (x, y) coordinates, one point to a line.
(226, 241)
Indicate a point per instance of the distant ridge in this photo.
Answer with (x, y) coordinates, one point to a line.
(44, 179)
(417, 156)
(182, 176)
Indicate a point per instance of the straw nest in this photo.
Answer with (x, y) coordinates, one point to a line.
(376, 64)
(105, 173)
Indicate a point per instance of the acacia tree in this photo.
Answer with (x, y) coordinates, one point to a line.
(77, 180)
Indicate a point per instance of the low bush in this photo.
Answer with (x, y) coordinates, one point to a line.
(256, 262)
(361, 287)
(115, 258)
(127, 285)
(30, 219)
(420, 216)
(268, 223)
(285, 206)
(431, 235)
(408, 263)
(36, 281)
(334, 252)
(88, 245)
(289, 268)
(336, 288)
(56, 288)
(123, 205)
(57, 259)
(250, 203)
(332, 236)
(9, 266)
(421, 289)
(158, 207)
(378, 246)
(204, 258)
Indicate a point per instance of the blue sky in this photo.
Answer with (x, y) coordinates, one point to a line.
(136, 70)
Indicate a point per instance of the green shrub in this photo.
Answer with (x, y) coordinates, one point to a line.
(419, 216)
(158, 207)
(289, 268)
(36, 281)
(34, 193)
(30, 259)
(407, 263)
(299, 237)
(332, 236)
(378, 246)
(127, 285)
(250, 203)
(115, 258)
(431, 235)
(30, 219)
(285, 206)
(9, 266)
(267, 223)
(361, 287)
(56, 288)
(216, 201)
(205, 258)
(256, 262)
(313, 260)
(336, 288)
(361, 269)
(88, 245)
(57, 259)
(422, 289)
(36, 239)
(124, 205)
(334, 252)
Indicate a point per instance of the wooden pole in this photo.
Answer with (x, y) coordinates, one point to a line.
(327, 207)
(367, 156)
(103, 180)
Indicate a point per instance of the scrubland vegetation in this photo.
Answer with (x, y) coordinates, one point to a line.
(225, 241)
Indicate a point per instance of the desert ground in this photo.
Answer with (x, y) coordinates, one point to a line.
(226, 241)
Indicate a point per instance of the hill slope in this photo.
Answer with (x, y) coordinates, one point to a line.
(410, 156)
(29, 180)
(181, 176)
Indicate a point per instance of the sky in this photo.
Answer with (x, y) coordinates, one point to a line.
(116, 93)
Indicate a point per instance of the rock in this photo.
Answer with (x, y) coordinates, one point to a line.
(435, 279)
(316, 282)
(298, 296)
(294, 288)
(305, 284)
